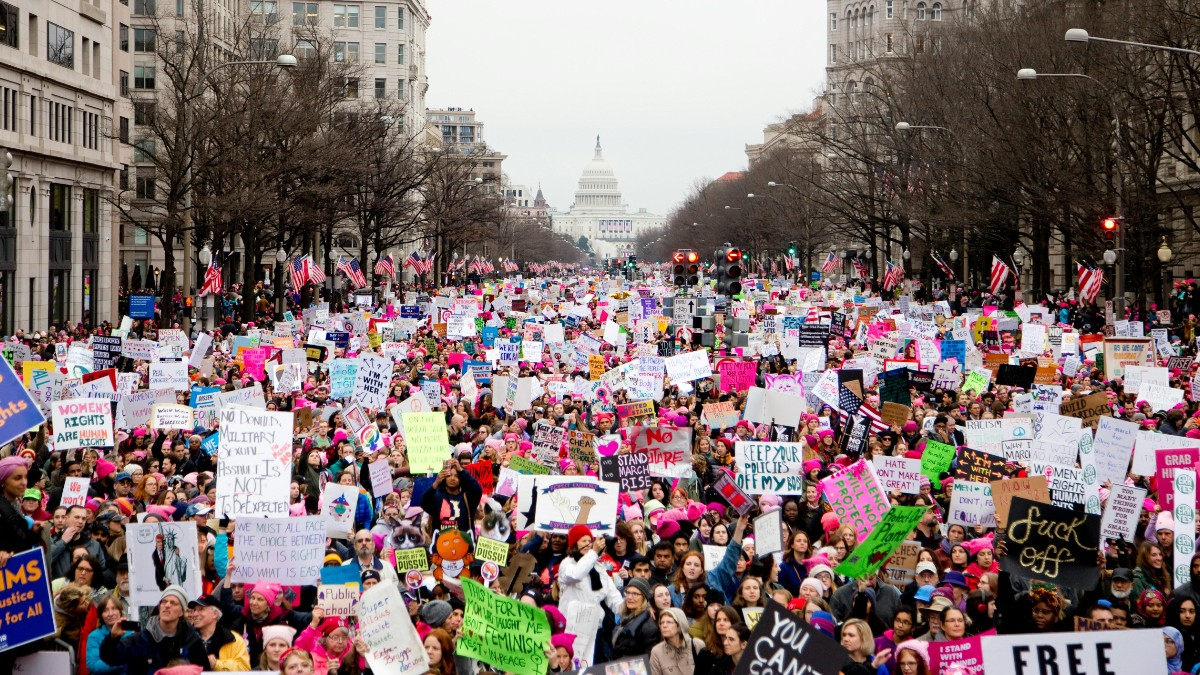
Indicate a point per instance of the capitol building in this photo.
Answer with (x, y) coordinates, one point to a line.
(599, 214)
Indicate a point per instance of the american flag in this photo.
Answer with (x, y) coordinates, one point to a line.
(774, 267)
(831, 264)
(315, 273)
(878, 426)
(893, 276)
(299, 272)
(414, 261)
(386, 266)
(426, 265)
(861, 268)
(941, 263)
(212, 278)
(352, 270)
(1090, 280)
(789, 264)
(1000, 272)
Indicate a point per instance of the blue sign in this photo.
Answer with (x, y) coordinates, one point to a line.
(340, 575)
(141, 306)
(410, 311)
(490, 333)
(28, 605)
(204, 397)
(340, 338)
(20, 413)
(480, 370)
(211, 443)
(954, 349)
(816, 276)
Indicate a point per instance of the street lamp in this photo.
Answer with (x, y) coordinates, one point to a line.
(1110, 257)
(905, 126)
(1081, 35)
(953, 254)
(907, 254)
(1165, 254)
(1019, 256)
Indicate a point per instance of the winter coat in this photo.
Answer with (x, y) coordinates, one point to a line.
(575, 583)
(636, 636)
(95, 664)
(146, 651)
(668, 660)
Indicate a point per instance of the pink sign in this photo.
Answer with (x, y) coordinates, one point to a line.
(857, 497)
(963, 657)
(737, 376)
(1166, 462)
(255, 360)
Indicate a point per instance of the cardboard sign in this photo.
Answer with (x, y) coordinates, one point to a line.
(337, 599)
(1089, 408)
(1121, 512)
(902, 566)
(393, 645)
(254, 472)
(1052, 544)
(784, 643)
(1033, 488)
(668, 450)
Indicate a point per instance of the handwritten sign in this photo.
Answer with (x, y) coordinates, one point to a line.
(172, 416)
(287, 551)
(1052, 544)
(254, 472)
(770, 468)
(887, 536)
(668, 450)
(394, 648)
(427, 440)
(856, 497)
(900, 474)
(502, 632)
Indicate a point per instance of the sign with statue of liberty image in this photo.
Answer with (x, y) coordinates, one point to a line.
(161, 554)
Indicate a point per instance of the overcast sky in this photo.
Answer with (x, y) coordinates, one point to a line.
(675, 88)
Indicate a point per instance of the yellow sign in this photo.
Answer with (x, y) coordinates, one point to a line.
(596, 366)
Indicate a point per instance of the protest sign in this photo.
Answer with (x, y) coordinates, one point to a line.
(784, 643)
(688, 367)
(1110, 652)
(565, 501)
(972, 505)
(902, 565)
(169, 375)
(482, 472)
(381, 477)
(160, 554)
(1052, 544)
(337, 599)
(721, 415)
(75, 491)
(82, 423)
(980, 466)
(1185, 524)
(547, 441)
(631, 470)
(137, 409)
(1088, 408)
(888, 534)
(254, 472)
(765, 406)
(768, 533)
(26, 599)
(249, 397)
(490, 549)
(856, 497)
(962, 657)
(172, 416)
(427, 440)
(286, 551)
(737, 376)
(1167, 461)
(1121, 512)
(408, 559)
(898, 474)
(339, 504)
(22, 411)
(1146, 447)
(106, 349)
(393, 646)
(581, 446)
(770, 468)
(596, 367)
(1033, 488)
(668, 450)
(936, 460)
(371, 381)
(733, 494)
(342, 373)
(504, 633)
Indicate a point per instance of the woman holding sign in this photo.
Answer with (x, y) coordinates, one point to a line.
(16, 531)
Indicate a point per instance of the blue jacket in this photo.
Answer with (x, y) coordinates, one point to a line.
(723, 577)
(95, 664)
(791, 574)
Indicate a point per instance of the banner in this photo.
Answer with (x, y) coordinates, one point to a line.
(1052, 544)
(287, 551)
(892, 531)
(82, 423)
(254, 472)
(161, 554)
(1110, 652)
(770, 468)
(504, 633)
(856, 497)
(784, 643)
(1185, 524)
(26, 599)
(561, 502)
(427, 441)
(394, 648)
(21, 411)
(668, 450)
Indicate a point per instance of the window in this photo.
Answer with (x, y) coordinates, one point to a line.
(60, 45)
(263, 49)
(380, 16)
(401, 87)
(143, 40)
(833, 22)
(937, 11)
(10, 18)
(400, 19)
(124, 38)
(889, 8)
(305, 49)
(889, 43)
(400, 54)
(920, 11)
(304, 13)
(143, 113)
(123, 133)
(91, 211)
(60, 207)
(60, 121)
(345, 51)
(178, 7)
(853, 87)
(59, 295)
(833, 53)
(124, 83)
(380, 88)
(139, 235)
(143, 150)
(345, 16)
(381, 52)
(144, 187)
(266, 11)
(144, 7)
(91, 130)
(143, 77)
(351, 90)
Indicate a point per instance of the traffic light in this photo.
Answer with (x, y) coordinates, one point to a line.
(6, 182)
(693, 268)
(1110, 227)
(792, 249)
(679, 270)
(729, 270)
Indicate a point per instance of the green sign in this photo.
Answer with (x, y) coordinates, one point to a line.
(976, 382)
(504, 633)
(491, 549)
(411, 559)
(866, 559)
(525, 466)
(936, 460)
